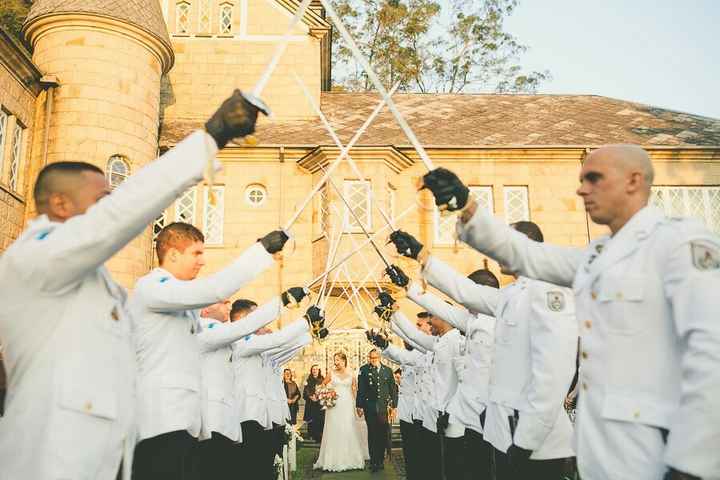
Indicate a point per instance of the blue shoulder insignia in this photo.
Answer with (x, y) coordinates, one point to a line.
(247, 338)
(43, 235)
(212, 325)
(164, 279)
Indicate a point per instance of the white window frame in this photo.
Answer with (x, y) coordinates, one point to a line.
(391, 201)
(159, 223)
(444, 225)
(204, 17)
(711, 214)
(4, 121)
(217, 209)
(324, 209)
(522, 190)
(223, 28)
(348, 219)
(191, 192)
(117, 160)
(187, 7)
(16, 154)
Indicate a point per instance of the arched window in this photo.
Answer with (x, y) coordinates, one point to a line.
(182, 18)
(204, 16)
(226, 18)
(255, 195)
(118, 169)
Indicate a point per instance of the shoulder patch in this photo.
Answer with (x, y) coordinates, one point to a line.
(556, 301)
(705, 256)
(164, 279)
(42, 235)
(211, 325)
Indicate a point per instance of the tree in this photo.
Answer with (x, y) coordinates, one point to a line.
(447, 46)
(12, 15)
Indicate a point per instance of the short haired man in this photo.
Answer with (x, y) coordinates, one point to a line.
(70, 410)
(169, 339)
(647, 303)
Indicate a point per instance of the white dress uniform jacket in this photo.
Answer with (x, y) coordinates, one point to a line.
(647, 304)
(442, 370)
(273, 362)
(70, 410)
(168, 351)
(408, 389)
(252, 388)
(473, 364)
(534, 359)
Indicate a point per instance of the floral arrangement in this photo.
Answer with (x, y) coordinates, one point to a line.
(327, 396)
(292, 431)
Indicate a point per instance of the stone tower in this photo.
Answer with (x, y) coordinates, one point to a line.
(108, 57)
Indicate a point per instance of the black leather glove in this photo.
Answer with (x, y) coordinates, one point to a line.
(274, 241)
(316, 319)
(442, 422)
(386, 307)
(397, 276)
(322, 333)
(517, 456)
(294, 295)
(377, 339)
(235, 118)
(448, 190)
(673, 474)
(406, 244)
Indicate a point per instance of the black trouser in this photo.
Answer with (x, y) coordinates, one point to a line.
(429, 464)
(259, 448)
(293, 413)
(478, 456)
(2, 401)
(409, 433)
(377, 425)
(164, 457)
(214, 458)
(454, 466)
(553, 469)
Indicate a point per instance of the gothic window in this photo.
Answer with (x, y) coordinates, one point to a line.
(16, 155)
(445, 225)
(698, 202)
(391, 200)
(226, 18)
(255, 195)
(159, 224)
(214, 218)
(3, 136)
(182, 18)
(324, 209)
(204, 16)
(357, 194)
(118, 170)
(517, 207)
(186, 206)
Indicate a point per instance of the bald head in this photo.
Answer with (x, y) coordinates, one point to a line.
(628, 159)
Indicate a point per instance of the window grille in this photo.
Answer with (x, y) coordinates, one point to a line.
(698, 202)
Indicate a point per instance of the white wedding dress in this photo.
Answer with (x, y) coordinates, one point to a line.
(344, 442)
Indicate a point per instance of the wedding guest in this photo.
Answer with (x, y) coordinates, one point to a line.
(293, 395)
(314, 414)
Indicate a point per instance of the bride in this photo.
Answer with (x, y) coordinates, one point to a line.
(343, 446)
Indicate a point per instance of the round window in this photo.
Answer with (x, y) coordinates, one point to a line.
(255, 195)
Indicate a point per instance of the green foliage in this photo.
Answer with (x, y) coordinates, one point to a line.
(447, 46)
(12, 15)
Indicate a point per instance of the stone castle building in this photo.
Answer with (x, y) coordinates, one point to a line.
(115, 82)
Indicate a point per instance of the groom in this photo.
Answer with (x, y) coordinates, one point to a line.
(376, 394)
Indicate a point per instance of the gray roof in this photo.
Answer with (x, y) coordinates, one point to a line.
(488, 120)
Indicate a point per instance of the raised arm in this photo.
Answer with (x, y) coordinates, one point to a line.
(478, 298)
(692, 282)
(542, 261)
(223, 334)
(285, 352)
(553, 349)
(397, 331)
(427, 342)
(167, 294)
(402, 356)
(258, 344)
(456, 316)
(60, 257)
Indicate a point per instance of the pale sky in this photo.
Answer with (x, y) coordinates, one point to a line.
(664, 53)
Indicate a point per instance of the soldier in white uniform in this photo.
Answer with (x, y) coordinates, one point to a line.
(165, 308)
(255, 359)
(64, 326)
(647, 304)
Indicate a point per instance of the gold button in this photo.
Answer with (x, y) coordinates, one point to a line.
(594, 295)
(619, 296)
(114, 314)
(584, 386)
(588, 324)
(88, 406)
(584, 354)
(636, 414)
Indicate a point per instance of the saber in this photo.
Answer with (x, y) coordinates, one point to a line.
(336, 162)
(330, 10)
(334, 247)
(339, 144)
(362, 245)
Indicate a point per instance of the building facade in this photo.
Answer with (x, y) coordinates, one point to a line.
(114, 83)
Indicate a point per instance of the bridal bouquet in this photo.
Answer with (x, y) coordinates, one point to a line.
(327, 397)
